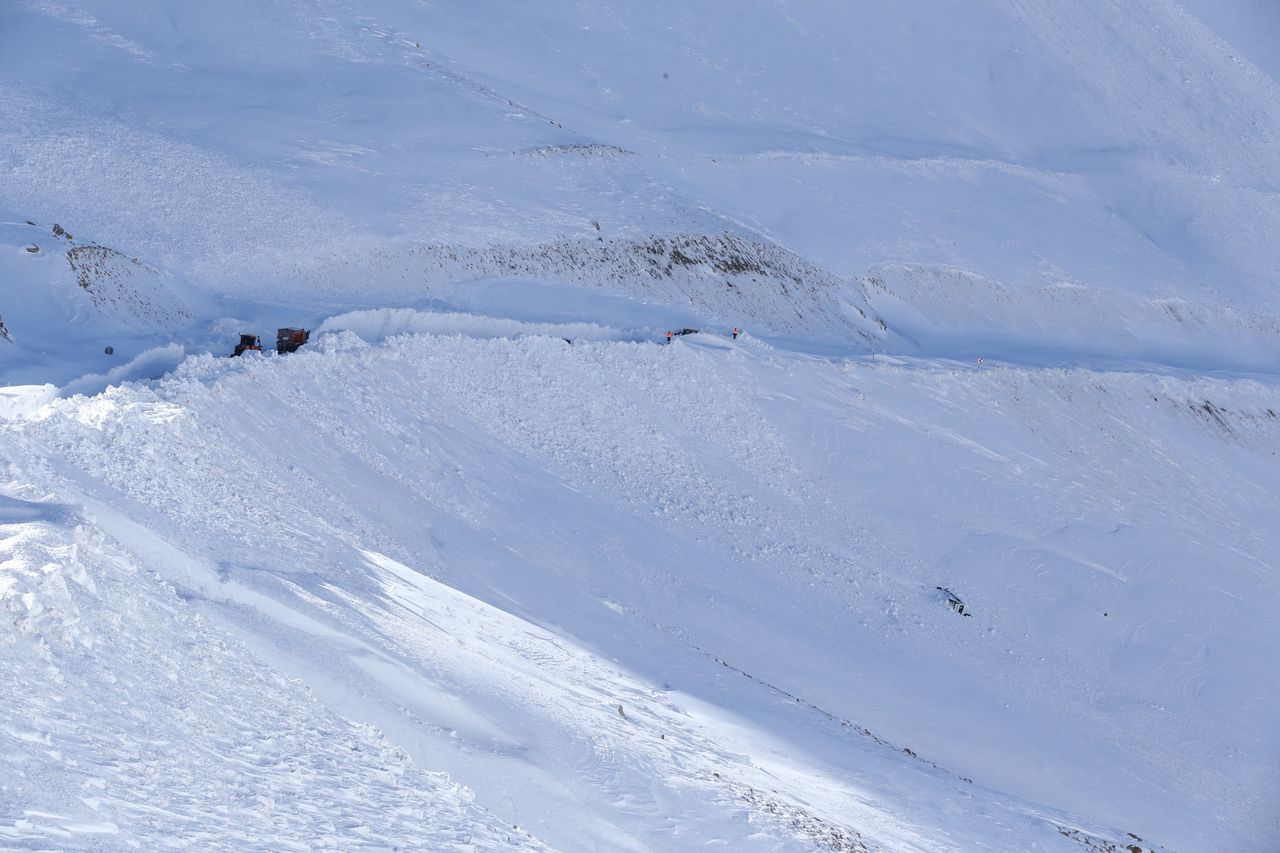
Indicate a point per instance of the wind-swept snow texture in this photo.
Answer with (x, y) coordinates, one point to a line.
(130, 723)
(711, 575)
(967, 544)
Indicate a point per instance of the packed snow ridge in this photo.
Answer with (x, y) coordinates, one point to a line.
(949, 525)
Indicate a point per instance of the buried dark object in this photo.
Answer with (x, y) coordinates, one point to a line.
(953, 601)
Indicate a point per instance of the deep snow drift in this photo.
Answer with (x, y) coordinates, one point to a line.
(660, 509)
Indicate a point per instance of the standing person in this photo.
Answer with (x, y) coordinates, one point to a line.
(735, 333)
(668, 337)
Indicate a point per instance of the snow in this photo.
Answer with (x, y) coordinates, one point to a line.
(357, 155)
(1117, 143)
(725, 508)
(127, 716)
(1245, 25)
(487, 564)
(955, 313)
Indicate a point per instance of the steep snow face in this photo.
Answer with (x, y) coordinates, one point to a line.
(130, 722)
(657, 510)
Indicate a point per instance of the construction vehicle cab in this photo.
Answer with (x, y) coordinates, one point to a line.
(288, 340)
(247, 342)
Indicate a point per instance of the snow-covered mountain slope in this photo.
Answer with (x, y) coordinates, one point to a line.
(305, 156)
(1248, 26)
(67, 299)
(967, 544)
(955, 313)
(363, 152)
(129, 723)
(1118, 144)
(719, 558)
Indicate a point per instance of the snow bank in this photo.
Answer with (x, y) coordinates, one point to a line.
(739, 531)
(22, 400)
(375, 326)
(151, 364)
